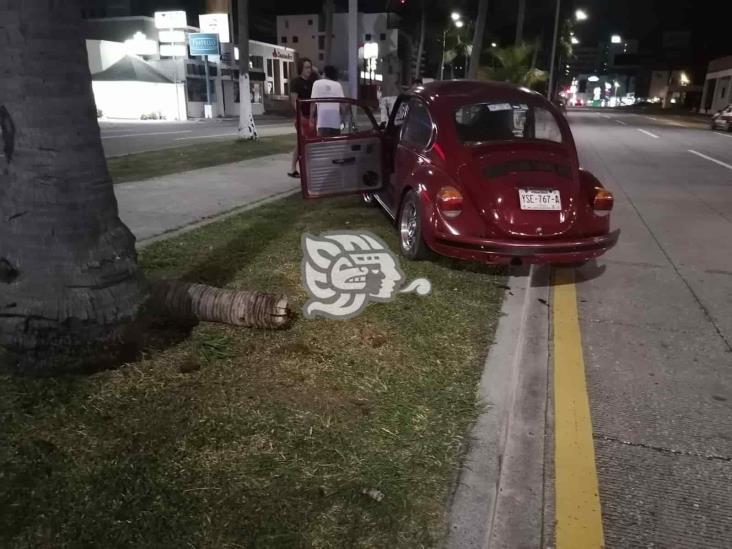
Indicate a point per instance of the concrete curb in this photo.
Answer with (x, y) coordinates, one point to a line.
(498, 500)
(212, 219)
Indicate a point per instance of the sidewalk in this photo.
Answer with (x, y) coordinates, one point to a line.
(160, 205)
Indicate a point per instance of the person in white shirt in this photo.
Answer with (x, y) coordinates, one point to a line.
(328, 115)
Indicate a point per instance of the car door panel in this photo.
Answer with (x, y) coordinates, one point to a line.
(348, 163)
(341, 166)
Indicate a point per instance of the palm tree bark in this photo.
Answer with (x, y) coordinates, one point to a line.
(329, 9)
(478, 36)
(247, 129)
(420, 47)
(520, 21)
(206, 303)
(68, 271)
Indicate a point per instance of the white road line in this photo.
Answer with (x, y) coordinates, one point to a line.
(207, 136)
(143, 134)
(724, 134)
(648, 133)
(621, 122)
(728, 166)
(656, 119)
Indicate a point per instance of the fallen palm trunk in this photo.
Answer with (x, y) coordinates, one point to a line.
(209, 304)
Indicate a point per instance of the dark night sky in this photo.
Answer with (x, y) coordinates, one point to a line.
(645, 20)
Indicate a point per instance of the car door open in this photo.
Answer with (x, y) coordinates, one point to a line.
(338, 160)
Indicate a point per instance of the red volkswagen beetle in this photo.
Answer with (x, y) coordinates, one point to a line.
(473, 170)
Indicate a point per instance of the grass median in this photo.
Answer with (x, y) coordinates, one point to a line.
(328, 434)
(135, 167)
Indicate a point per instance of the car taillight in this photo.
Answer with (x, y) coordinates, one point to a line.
(602, 200)
(449, 201)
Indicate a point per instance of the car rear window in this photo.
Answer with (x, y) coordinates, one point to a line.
(505, 121)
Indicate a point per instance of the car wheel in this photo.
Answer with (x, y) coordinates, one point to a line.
(411, 242)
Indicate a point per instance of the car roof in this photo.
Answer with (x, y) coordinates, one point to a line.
(465, 92)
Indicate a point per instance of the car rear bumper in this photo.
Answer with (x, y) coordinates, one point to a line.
(567, 250)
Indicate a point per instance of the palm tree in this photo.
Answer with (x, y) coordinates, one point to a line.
(520, 21)
(247, 129)
(69, 279)
(514, 65)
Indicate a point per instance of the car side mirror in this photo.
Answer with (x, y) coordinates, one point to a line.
(382, 125)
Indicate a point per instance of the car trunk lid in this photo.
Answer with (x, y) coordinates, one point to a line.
(503, 170)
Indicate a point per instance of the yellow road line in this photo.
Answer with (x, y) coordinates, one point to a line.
(578, 512)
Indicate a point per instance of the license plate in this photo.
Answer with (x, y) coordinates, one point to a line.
(539, 199)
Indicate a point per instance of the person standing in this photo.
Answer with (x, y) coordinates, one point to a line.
(328, 115)
(301, 88)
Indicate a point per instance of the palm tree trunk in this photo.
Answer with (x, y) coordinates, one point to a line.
(329, 9)
(420, 47)
(238, 308)
(247, 129)
(69, 277)
(478, 39)
(520, 21)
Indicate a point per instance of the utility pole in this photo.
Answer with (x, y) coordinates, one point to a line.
(478, 39)
(353, 48)
(554, 52)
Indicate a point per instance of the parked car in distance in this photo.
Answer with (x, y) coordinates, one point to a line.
(722, 120)
(480, 171)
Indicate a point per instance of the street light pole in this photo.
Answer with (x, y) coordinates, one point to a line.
(554, 52)
(442, 64)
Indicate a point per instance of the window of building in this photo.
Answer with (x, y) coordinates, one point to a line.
(321, 57)
(321, 42)
(310, 22)
(269, 67)
(294, 39)
(285, 70)
(382, 36)
(368, 38)
(418, 128)
(283, 39)
(256, 62)
(196, 88)
(287, 24)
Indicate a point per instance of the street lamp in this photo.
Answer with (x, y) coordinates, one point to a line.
(494, 45)
(458, 22)
(580, 15)
(616, 39)
(574, 40)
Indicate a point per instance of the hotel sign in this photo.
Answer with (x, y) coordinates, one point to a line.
(203, 43)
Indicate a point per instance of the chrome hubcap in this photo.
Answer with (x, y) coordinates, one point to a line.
(408, 226)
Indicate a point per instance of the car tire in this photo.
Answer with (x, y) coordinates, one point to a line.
(409, 224)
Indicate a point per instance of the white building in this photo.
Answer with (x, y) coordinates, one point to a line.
(306, 35)
(717, 92)
(134, 73)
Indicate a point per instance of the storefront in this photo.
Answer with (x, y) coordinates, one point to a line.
(270, 69)
(179, 80)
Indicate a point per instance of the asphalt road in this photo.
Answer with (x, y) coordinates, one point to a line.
(128, 137)
(656, 327)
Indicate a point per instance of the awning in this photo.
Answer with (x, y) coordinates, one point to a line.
(131, 68)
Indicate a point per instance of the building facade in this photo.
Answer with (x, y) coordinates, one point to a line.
(378, 43)
(717, 93)
(163, 80)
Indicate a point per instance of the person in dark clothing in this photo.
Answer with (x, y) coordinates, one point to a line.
(301, 87)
